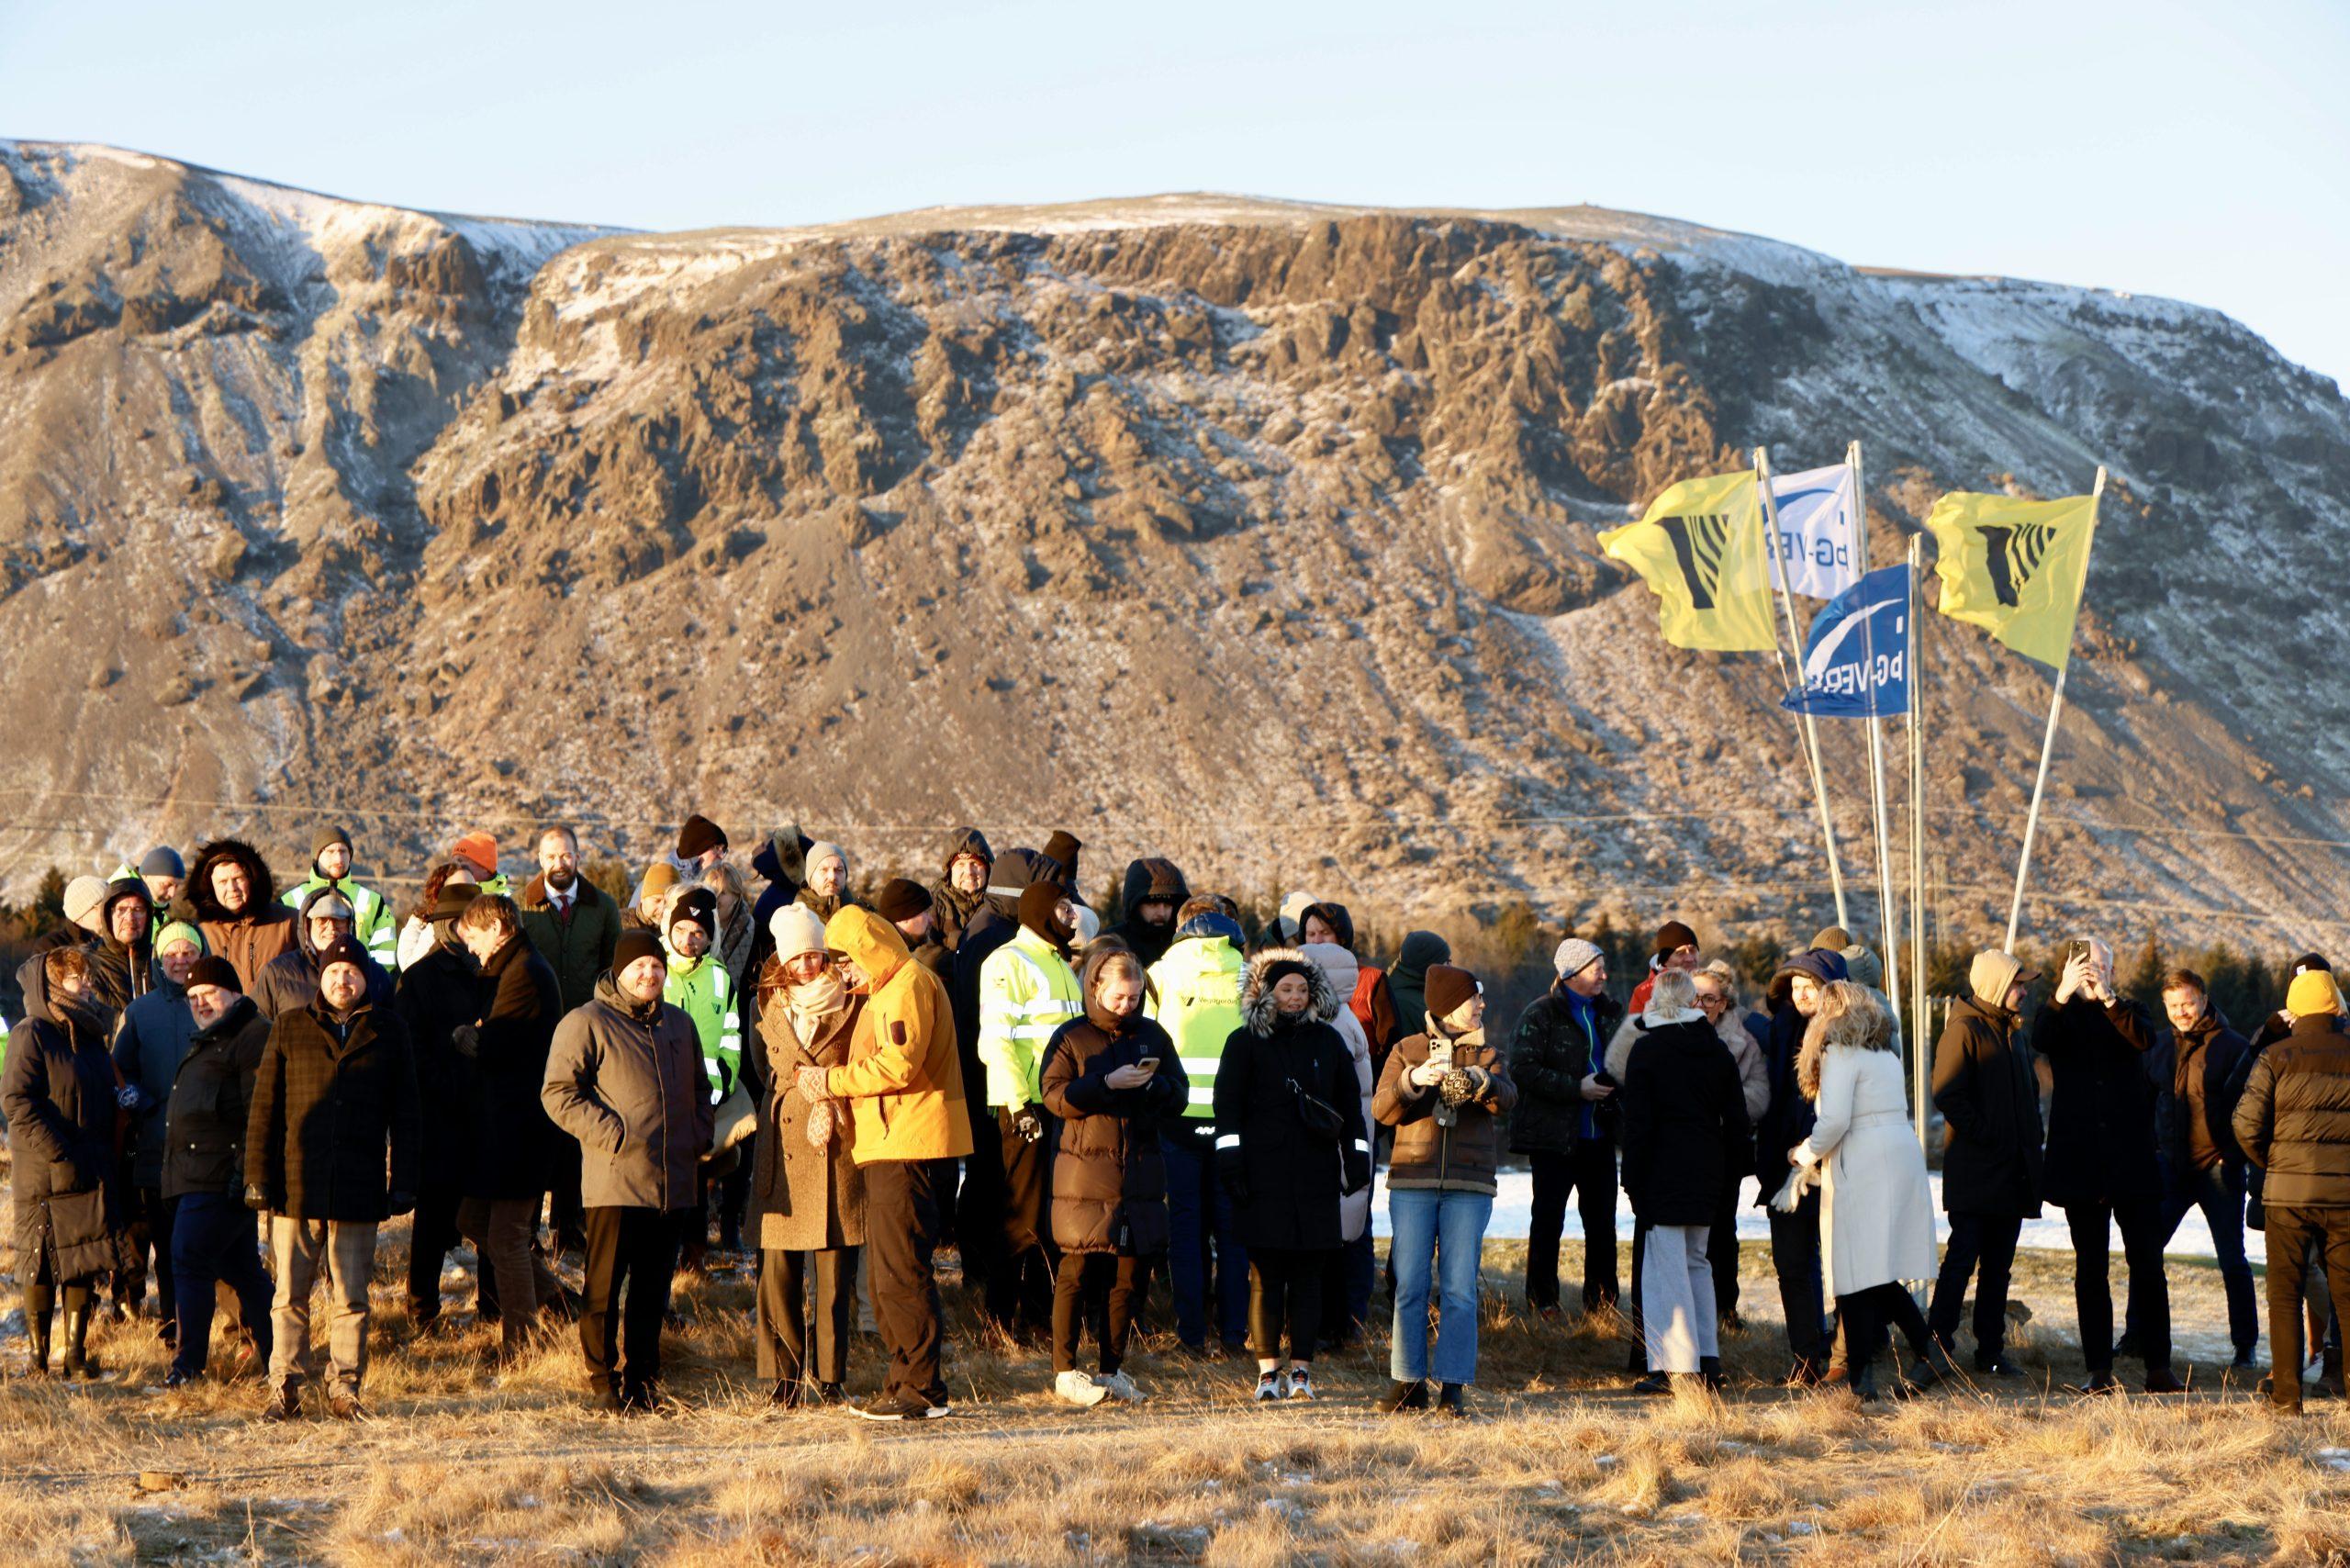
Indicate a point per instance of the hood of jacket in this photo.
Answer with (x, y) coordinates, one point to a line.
(1210, 926)
(870, 942)
(1821, 965)
(1338, 965)
(1149, 879)
(782, 856)
(609, 992)
(302, 922)
(227, 851)
(132, 885)
(1863, 967)
(1010, 877)
(966, 840)
(1420, 949)
(1991, 976)
(1256, 993)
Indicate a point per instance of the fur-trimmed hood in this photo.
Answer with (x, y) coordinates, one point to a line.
(223, 851)
(1256, 993)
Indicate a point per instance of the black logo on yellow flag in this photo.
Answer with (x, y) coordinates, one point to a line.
(1698, 543)
(2012, 554)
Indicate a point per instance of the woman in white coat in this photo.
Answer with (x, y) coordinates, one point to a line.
(1876, 1213)
(1346, 1289)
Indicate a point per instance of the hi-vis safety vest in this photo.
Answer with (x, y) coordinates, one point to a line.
(703, 989)
(1197, 1004)
(1027, 991)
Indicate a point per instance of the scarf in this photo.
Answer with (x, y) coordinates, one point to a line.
(809, 1006)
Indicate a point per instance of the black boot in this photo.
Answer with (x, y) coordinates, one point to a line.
(1863, 1382)
(1449, 1401)
(36, 1330)
(1412, 1395)
(79, 1362)
(1709, 1369)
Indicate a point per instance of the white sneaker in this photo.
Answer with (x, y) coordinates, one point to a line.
(1076, 1388)
(1300, 1384)
(1271, 1385)
(1119, 1385)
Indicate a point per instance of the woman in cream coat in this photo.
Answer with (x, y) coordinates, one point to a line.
(1346, 1287)
(1876, 1211)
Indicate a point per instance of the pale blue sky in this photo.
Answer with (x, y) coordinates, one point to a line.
(2198, 151)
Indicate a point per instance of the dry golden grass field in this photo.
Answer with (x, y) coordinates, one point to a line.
(460, 1464)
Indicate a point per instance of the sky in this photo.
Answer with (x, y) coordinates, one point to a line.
(2195, 151)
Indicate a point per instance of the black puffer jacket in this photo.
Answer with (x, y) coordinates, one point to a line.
(1989, 1097)
(211, 1104)
(58, 1091)
(1109, 1180)
(1685, 1132)
(1285, 1179)
(2294, 1119)
(2101, 1116)
(1550, 1057)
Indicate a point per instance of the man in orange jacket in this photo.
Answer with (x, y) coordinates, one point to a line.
(903, 1082)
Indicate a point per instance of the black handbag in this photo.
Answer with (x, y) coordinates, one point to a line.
(1317, 1117)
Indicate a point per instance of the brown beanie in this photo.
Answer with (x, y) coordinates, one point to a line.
(1448, 986)
(901, 899)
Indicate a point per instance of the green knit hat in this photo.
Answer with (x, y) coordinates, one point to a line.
(178, 931)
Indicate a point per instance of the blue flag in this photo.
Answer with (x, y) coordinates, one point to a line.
(1858, 664)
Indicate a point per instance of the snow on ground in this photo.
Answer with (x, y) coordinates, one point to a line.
(1513, 1217)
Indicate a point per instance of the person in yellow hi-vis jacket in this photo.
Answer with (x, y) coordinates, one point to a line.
(1027, 991)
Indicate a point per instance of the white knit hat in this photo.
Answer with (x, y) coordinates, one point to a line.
(797, 929)
(1574, 955)
(84, 896)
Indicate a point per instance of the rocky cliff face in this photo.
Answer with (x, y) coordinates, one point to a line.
(1260, 535)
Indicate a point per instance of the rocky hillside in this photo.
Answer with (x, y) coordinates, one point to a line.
(1255, 534)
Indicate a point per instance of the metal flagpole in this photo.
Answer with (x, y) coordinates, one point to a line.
(1810, 725)
(1888, 920)
(1918, 1030)
(2048, 740)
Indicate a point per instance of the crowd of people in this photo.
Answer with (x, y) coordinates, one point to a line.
(230, 1089)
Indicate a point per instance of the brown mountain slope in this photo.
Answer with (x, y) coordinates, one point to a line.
(1253, 534)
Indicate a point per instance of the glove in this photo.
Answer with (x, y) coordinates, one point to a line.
(1232, 1172)
(466, 1037)
(820, 1122)
(401, 1202)
(1456, 1089)
(1027, 1123)
(1427, 1075)
(255, 1199)
(128, 1096)
(809, 1083)
(1799, 1181)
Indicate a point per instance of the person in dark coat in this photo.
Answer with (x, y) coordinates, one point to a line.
(980, 1203)
(331, 1151)
(1290, 1143)
(122, 954)
(148, 1042)
(1110, 1079)
(438, 994)
(1793, 998)
(2200, 1068)
(573, 925)
(1988, 1094)
(208, 1113)
(782, 859)
(1407, 983)
(2294, 1122)
(1685, 1135)
(1154, 890)
(2101, 1165)
(519, 1002)
(58, 1091)
(961, 890)
(291, 979)
(1565, 1123)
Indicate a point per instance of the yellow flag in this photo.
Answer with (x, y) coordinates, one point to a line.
(1702, 553)
(2015, 569)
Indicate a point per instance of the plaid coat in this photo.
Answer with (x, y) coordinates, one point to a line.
(325, 1112)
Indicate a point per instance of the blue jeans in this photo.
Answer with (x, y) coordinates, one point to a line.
(2219, 1192)
(1203, 1245)
(213, 1237)
(1427, 1228)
